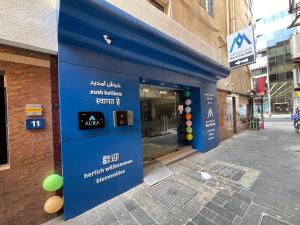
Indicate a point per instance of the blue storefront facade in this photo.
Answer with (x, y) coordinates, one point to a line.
(104, 56)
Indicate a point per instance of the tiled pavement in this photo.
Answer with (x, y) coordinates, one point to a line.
(255, 181)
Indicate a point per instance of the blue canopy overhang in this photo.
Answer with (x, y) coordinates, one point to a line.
(84, 22)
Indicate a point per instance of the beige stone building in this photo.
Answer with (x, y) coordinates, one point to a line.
(204, 26)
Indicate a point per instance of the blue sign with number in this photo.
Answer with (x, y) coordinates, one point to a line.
(32, 124)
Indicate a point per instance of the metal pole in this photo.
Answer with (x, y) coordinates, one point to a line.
(269, 93)
(262, 112)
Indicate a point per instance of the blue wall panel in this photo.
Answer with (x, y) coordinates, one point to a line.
(85, 57)
(205, 117)
(148, 72)
(87, 64)
(179, 78)
(75, 97)
(83, 156)
(83, 150)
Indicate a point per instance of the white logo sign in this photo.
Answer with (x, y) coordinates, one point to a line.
(241, 47)
(210, 113)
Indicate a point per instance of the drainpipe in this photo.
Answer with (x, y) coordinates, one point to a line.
(170, 9)
(228, 17)
(233, 17)
(269, 92)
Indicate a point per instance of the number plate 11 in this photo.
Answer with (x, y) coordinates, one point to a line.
(32, 124)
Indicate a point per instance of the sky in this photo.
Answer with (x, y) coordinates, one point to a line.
(263, 8)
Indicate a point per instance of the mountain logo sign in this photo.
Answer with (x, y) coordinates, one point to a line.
(241, 48)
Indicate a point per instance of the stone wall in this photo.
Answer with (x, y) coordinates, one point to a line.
(30, 24)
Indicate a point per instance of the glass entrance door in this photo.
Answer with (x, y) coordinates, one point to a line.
(160, 120)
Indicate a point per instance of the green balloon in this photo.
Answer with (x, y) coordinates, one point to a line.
(53, 182)
(187, 94)
(189, 130)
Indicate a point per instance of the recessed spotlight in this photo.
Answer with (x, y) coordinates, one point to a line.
(176, 86)
(107, 39)
(163, 92)
(143, 81)
(162, 84)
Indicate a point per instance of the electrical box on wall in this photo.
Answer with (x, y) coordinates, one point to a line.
(91, 120)
(123, 118)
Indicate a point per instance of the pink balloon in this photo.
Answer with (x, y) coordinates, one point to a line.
(188, 101)
(189, 123)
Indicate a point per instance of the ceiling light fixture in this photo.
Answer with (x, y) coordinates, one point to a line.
(163, 92)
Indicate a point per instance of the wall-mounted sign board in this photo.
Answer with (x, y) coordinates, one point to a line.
(91, 120)
(241, 48)
(32, 124)
(34, 110)
(297, 93)
(123, 118)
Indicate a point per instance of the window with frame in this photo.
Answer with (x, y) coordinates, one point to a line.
(260, 71)
(288, 58)
(208, 6)
(280, 60)
(281, 77)
(157, 5)
(261, 54)
(3, 121)
(289, 76)
(273, 78)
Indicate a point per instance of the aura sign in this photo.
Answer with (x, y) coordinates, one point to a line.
(90, 120)
(241, 48)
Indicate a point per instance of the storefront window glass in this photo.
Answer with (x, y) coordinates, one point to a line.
(229, 113)
(160, 121)
(282, 97)
(243, 112)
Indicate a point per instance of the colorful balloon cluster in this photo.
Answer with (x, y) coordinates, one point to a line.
(188, 115)
(53, 183)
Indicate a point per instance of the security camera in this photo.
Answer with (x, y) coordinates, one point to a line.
(107, 39)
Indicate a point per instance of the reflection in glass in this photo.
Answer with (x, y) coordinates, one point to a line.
(160, 119)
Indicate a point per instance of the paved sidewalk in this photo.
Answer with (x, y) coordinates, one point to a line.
(255, 181)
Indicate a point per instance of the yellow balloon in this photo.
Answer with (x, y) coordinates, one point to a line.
(53, 204)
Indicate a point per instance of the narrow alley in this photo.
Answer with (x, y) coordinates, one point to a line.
(254, 180)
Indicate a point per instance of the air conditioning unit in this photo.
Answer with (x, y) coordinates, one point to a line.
(295, 47)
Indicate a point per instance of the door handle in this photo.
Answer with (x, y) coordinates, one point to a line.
(167, 124)
(164, 123)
